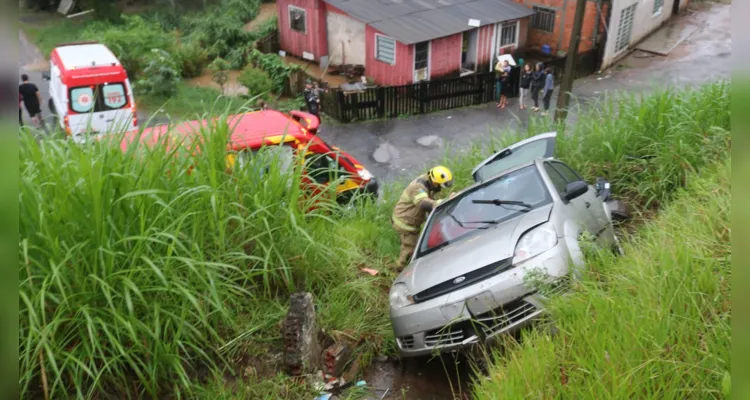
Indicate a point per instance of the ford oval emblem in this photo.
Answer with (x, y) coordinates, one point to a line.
(459, 280)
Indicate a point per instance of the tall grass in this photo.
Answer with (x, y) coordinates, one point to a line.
(136, 276)
(647, 145)
(653, 324)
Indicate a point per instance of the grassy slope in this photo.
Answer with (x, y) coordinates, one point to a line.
(653, 324)
(130, 267)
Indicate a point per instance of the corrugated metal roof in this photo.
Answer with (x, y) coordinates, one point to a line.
(414, 21)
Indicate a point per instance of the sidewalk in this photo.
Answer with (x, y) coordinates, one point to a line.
(389, 148)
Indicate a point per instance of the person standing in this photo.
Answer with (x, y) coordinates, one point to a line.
(312, 99)
(505, 85)
(537, 83)
(525, 86)
(412, 208)
(498, 82)
(32, 100)
(549, 84)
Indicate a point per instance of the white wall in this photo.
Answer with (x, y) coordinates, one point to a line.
(644, 23)
(346, 39)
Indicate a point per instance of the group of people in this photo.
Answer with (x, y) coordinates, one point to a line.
(532, 83)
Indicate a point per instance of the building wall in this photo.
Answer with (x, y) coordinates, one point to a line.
(314, 40)
(559, 39)
(401, 73)
(445, 55)
(346, 38)
(485, 52)
(645, 21)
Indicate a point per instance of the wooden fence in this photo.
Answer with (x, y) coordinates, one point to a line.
(269, 43)
(419, 98)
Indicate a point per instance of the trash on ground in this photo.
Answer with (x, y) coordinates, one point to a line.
(360, 384)
(372, 272)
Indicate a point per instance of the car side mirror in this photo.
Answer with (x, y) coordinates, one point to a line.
(575, 189)
(45, 76)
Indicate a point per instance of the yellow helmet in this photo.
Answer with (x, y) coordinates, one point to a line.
(441, 176)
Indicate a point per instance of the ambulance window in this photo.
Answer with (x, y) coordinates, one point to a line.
(82, 99)
(114, 96)
(324, 168)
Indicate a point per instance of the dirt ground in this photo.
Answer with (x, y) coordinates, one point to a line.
(267, 11)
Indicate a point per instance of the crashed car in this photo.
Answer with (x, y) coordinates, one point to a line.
(467, 279)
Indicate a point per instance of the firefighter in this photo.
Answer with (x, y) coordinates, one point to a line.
(416, 202)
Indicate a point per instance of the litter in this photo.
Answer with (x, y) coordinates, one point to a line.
(372, 272)
(360, 384)
(324, 396)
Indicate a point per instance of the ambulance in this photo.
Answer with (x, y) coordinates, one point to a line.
(90, 93)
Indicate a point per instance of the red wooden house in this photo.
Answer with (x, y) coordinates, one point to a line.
(403, 41)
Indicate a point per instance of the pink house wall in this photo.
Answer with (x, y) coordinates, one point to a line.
(401, 73)
(445, 55)
(314, 40)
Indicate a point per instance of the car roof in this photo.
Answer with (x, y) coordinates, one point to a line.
(86, 56)
(249, 130)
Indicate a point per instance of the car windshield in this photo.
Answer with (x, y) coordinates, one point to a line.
(461, 217)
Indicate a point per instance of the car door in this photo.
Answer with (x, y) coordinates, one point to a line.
(575, 209)
(596, 217)
(527, 150)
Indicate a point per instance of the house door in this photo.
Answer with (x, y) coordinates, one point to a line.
(421, 61)
(469, 51)
(625, 28)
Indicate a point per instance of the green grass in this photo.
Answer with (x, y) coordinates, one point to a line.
(191, 102)
(51, 30)
(136, 277)
(653, 324)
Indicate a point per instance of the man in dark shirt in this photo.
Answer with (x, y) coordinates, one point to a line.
(32, 99)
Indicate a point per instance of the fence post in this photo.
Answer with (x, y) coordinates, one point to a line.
(422, 96)
(381, 101)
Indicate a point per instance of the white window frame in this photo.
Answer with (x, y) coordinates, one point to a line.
(657, 11)
(414, 62)
(300, 9)
(500, 36)
(395, 49)
(619, 28)
(465, 72)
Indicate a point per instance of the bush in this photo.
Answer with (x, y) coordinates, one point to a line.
(131, 41)
(237, 58)
(245, 10)
(161, 75)
(193, 58)
(220, 70)
(274, 66)
(257, 82)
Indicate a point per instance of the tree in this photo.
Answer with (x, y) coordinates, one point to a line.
(220, 70)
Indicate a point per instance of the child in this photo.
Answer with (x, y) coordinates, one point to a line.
(549, 84)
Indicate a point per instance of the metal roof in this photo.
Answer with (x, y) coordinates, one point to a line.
(414, 21)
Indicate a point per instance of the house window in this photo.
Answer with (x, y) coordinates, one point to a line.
(385, 49)
(624, 28)
(297, 19)
(658, 6)
(508, 34)
(543, 19)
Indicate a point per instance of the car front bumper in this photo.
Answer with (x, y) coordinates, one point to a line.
(500, 304)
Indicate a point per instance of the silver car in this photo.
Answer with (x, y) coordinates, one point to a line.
(468, 279)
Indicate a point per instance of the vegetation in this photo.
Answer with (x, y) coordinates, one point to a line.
(137, 277)
(161, 75)
(256, 81)
(219, 69)
(653, 324)
(275, 67)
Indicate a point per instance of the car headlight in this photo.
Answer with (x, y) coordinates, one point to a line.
(364, 174)
(534, 243)
(400, 296)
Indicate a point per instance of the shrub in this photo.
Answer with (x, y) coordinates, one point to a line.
(256, 81)
(220, 70)
(237, 58)
(193, 58)
(131, 41)
(161, 75)
(245, 10)
(274, 66)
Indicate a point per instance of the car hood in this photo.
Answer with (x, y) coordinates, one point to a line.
(476, 251)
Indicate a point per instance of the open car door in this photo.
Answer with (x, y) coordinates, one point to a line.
(527, 150)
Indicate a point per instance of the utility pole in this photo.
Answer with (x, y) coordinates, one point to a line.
(566, 84)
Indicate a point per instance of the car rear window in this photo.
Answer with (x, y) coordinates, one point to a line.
(97, 98)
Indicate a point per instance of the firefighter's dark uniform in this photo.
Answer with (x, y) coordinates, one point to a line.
(410, 212)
